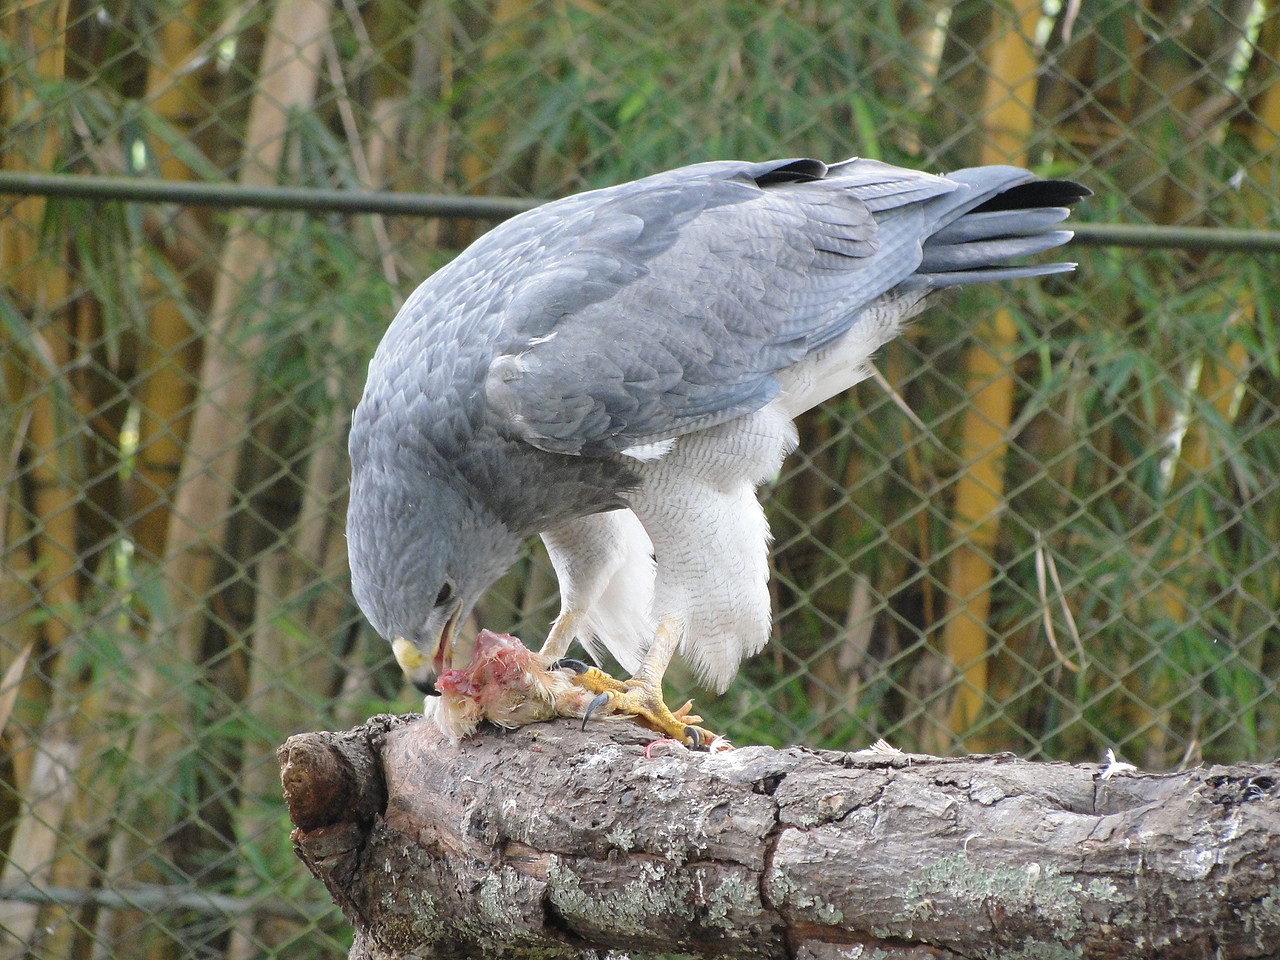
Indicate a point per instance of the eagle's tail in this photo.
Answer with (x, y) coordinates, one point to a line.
(1009, 224)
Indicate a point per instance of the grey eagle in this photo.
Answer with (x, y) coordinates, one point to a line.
(618, 372)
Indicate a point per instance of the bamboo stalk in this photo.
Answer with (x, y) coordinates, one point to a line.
(170, 351)
(289, 74)
(163, 393)
(1259, 199)
(36, 28)
(1009, 101)
(36, 839)
(34, 32)
(203, 498)
(1222, 375)
(10, 684)
(1175, 84)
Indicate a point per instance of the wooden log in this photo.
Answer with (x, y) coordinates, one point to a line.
(550, 841)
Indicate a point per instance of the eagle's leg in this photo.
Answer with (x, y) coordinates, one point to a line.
(561, 634)
(641, 696)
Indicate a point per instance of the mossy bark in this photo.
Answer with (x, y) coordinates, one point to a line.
(551, 841)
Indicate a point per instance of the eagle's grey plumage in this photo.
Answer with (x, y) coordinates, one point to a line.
(619, 370)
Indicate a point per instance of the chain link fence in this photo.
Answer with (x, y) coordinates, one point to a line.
(1050, 525)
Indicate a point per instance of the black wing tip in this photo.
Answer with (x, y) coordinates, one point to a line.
(1037, 193)
(804, 170)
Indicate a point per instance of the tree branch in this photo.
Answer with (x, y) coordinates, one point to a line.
(551, 841)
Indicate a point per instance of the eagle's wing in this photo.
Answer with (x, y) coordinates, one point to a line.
(670, 304)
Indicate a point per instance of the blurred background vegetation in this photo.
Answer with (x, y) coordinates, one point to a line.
(1051, 525)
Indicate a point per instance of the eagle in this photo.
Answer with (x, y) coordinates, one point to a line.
(618, 372)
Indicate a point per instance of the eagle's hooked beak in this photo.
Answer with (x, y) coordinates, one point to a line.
(420, 669)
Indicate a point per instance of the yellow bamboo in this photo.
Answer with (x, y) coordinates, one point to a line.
(289, 74)
(34, 33)
(34, 846)
(1177, 84)
(163, 396)
(20, 692)
(1222, 377)
(203, 497)
(1167, 84)
(11, 683)
(36, 28)
(169, 352)
(1009, 102)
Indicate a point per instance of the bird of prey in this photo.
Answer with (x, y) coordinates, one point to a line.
(618, 371)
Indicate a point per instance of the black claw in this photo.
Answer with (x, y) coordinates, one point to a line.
(568, 663)
(598, 701)
(693, 734)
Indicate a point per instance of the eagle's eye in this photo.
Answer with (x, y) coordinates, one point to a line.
(445, 594)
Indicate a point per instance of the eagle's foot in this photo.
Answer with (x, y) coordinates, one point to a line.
(643, 701)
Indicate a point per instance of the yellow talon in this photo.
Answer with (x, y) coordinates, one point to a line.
(638, 699)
